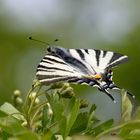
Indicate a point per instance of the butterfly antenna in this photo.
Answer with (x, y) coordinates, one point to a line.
(39, 41)
(118, 88)
(56, 40)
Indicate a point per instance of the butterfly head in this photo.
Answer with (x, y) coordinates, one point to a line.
(102, 76)
(101, 80)
(104, 80)
(56, 50)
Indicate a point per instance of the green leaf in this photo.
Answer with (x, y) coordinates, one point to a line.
(135, 134)
(110, 137)
(80, 123)
(102, 127)
(57, 106)
(130, 128)
(124, 132)
(25, 136)
(126, 107)
(92, 119)
(4, 135)
(2, 114)
(133, 125)
(131, 134)
(62, 126)
(74, 105)
(13, 127)
(14, 138)
(92, 109)
(81, 137)
(9, 109)
(58, 118)
(28, 136)
(65, 112)
(46, 117)
(137, 114)
(47, 136)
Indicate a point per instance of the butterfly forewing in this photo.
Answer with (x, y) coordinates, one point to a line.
(99, 60)
(116, 59)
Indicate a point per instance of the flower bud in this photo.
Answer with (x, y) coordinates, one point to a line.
(19, 100)
(17, 93)
(83, 104)
(66, 85)
(57, 85)
(50, 112)
(24, 123)
(37, 101)
(67, 93)
(32, 95)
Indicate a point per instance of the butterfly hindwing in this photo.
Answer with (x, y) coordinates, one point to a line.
(53, 69)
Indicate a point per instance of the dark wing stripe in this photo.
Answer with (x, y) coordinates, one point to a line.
(42, 69)
(53, 60)
(81, 54)
(45, 61)
(117, 62)
(73, 80)
(41, 66)
(43, 76)
(54, 80)
(53, 68)
(86, 50)
(73, 61)
(68, 57)
(97, 56)
(104, 53)
(115, 57)
(76, 63)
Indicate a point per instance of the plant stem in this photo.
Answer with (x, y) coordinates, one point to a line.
(39, 105)
(37, 111)
(27, 96)
(33, 101)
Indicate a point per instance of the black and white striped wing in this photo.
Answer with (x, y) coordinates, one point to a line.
(89, 60)
(80, 66)
(100, 60)
(62, 64)
(53, 69)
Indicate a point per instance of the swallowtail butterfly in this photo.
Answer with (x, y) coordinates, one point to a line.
(82, 66)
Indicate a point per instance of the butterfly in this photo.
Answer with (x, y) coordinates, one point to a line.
(81, 66)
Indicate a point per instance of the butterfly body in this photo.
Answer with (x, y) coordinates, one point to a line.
(89, 66)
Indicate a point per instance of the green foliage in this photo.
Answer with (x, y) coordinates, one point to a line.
(56, 113)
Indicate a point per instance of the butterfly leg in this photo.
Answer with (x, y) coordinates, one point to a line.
(112, 98)
(86, 81)
(78, 81)
(91, 83)
(113, 86)
(107, 93)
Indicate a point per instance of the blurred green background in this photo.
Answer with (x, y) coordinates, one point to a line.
(109, 25)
